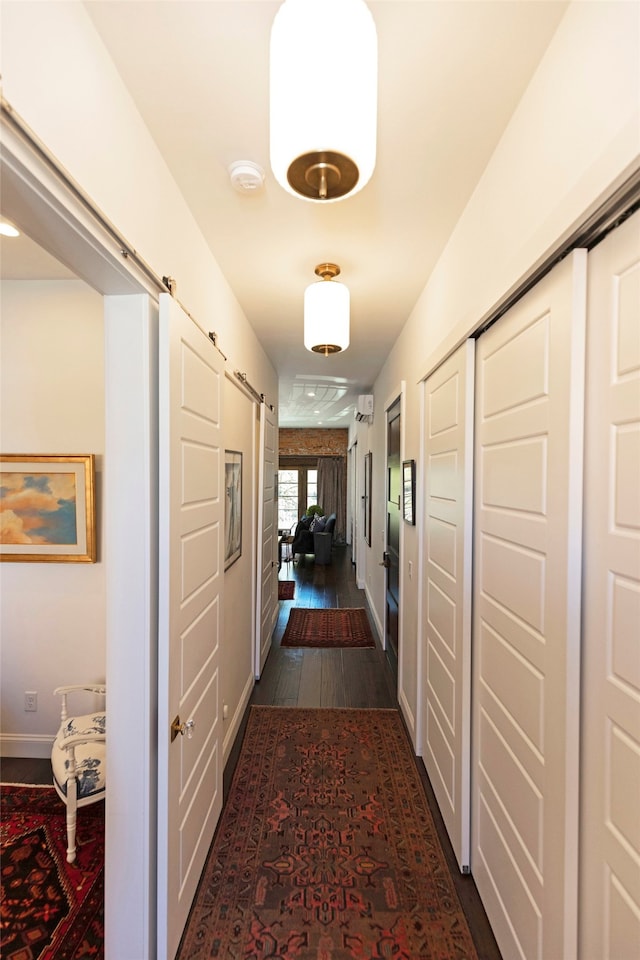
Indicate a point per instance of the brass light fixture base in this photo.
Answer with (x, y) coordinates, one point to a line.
(323, 175)
(327, 271)
(326, 349)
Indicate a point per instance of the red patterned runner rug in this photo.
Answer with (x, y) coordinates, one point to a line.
(50, 909)
(328, 627)
(286, 589)
(326, 848)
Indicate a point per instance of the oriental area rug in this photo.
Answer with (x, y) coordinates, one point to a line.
(326, 849)
(49, 909)
(286, 589)
(328, 627)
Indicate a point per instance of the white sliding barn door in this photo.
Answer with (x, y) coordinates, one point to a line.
(446, 684)
(610, 839)
(526, 636)
(191, 546)
(267, 552)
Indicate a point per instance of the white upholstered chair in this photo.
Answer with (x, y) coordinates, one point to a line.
(78, 759)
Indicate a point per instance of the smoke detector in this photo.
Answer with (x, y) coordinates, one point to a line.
(246, 176)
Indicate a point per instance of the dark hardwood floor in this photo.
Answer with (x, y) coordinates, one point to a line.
(294, 677)
(20, 770)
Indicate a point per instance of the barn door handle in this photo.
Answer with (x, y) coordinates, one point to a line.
(182, 728)
(386, 560)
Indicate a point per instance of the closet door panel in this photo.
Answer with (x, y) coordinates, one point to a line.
(190, 616)
(446, 683)
(610, 838)
(527, 529)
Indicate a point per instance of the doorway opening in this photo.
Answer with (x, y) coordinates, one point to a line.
(391, 560)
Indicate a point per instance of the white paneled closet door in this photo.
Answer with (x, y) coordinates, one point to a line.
(610, 838)
(526, 633)
(190, 616)
(446, 683)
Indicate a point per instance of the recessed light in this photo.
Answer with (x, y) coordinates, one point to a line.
(7, 229)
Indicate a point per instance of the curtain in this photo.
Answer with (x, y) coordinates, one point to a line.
(332, 483)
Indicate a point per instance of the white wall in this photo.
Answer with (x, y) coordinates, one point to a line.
(574, 136)
(236, 668)
(52, 620)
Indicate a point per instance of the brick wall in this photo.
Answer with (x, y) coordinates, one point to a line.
(313, 442)
(318, 442)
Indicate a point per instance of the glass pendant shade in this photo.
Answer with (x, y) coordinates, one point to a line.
(326, 317)
(323, 97)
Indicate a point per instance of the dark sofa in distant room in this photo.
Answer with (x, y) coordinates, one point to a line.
(314, 535)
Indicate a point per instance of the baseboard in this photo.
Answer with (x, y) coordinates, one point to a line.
(233, 724)
(409, 718)
(25, 745)
(372, 610)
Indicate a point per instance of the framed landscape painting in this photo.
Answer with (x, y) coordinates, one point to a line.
(232, 506)
(47, 508)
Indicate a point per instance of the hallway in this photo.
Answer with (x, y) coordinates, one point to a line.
(357, 678)
(296, 677)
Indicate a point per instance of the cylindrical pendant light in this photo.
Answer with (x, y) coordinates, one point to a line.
(326, 312)
(323, 97)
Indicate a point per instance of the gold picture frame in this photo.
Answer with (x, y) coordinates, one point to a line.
(47, 508)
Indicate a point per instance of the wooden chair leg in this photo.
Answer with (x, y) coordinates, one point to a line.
(72, 786)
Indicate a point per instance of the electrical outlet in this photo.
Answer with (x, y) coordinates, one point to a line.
(30, 700)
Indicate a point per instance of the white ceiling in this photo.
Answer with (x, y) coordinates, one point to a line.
(450, 75)
(22, 259)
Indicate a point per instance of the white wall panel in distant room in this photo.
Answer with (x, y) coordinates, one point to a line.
(610, 838)
(526, 631)
(267, 572)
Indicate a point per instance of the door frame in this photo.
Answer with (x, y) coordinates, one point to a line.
(399, 394)
(56, 215)
(352, 501)
(393, 412)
